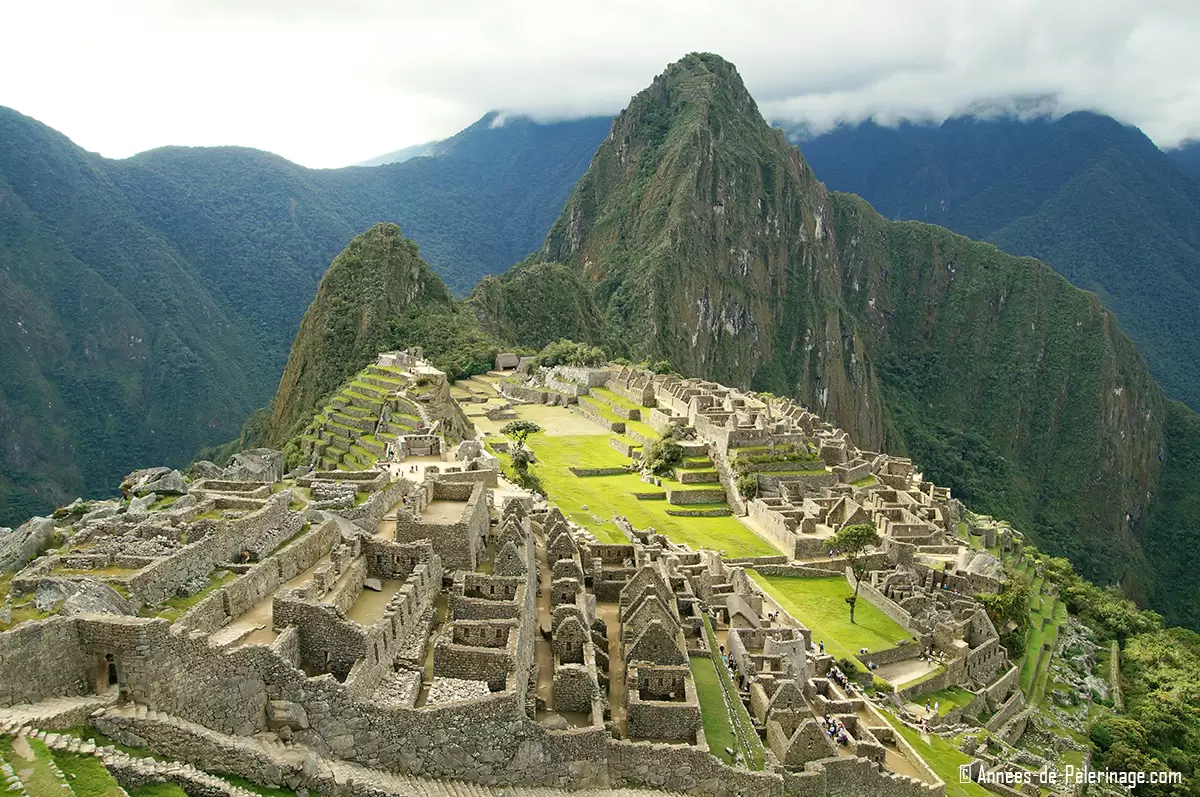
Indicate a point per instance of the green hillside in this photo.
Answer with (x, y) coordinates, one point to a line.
(1094, 199)
(702, 238)
(154, 299)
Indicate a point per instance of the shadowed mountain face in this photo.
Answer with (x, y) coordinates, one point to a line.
(153, 299)
(698, 235)
(1092, 198)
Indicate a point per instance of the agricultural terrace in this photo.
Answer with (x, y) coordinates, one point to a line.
(571, 440)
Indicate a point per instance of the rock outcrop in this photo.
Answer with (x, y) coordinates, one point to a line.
(20, 546)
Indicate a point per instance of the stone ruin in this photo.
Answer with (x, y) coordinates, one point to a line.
(390, 626)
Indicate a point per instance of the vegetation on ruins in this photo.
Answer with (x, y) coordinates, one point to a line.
(568, 352)
(854, 542)
(520, 430)
(1009, 612)
(662, 456)
(747, 485)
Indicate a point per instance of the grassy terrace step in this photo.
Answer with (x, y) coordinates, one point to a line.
(606, 496)
(820, 603)
(614, 399)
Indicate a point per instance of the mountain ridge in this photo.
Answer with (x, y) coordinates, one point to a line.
(700, 236)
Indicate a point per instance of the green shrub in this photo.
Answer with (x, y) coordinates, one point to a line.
(747, 484)
(661, 457)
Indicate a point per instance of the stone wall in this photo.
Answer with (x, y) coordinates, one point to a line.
(488, 477)
(885, 604)
(459, 544)
(236, 598)
(197, 560)
(43, 659)
(367, 514)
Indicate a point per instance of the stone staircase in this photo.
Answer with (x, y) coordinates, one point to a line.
(58, 713)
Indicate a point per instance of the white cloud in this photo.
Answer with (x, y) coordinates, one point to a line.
(328, 83)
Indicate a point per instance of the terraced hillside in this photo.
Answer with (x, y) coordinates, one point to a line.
(1046, 614)
(369, 411)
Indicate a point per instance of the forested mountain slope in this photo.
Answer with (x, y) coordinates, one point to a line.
(152, 300)
(1094, 199)
(699, 236)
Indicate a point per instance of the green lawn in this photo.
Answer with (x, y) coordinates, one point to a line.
(820, 604)
(605, 496)
(713, 682)
(950, 698)
(942, 757)
(38, 776)
(615, 400)
(718, 730)
(87, 776)
(158, 790)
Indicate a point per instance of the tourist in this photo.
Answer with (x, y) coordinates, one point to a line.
(926, 705)
(822, 646)
(937, 706)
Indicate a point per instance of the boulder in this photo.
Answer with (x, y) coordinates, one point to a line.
(204, 469)
(141, 506)
(163, 481)
(80, 596)
(373, 584)
(555, 722)
(170, 483)
(186, 502)
(255, 465)
(285, 714)
(18, 548)
(100, 511)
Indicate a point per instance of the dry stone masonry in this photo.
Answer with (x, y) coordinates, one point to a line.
(395, 616)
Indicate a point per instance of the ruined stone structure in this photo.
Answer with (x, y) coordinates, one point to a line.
(361, 631)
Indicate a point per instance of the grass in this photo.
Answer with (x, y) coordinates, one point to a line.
(615, 400)
(820, 604)
(942, 757)
(718, 728)
(158, 790)
(713, 683)
(38, 776)
(950, 698)
(605, 496)
(87, 776)
(175, 607)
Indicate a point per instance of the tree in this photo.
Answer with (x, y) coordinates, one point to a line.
(662, 456)
(520, 431)
(853, 542)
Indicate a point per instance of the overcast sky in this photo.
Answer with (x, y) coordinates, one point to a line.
(332, 83)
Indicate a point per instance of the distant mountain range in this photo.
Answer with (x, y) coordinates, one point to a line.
(1095, 199)
(150, 302)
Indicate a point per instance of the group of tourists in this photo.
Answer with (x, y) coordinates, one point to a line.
(838, 678)
(836, 730)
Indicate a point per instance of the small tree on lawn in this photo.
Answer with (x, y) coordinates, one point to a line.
(853, 542)
(520, 431)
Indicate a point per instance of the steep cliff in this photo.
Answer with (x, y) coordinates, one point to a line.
(703, 238)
